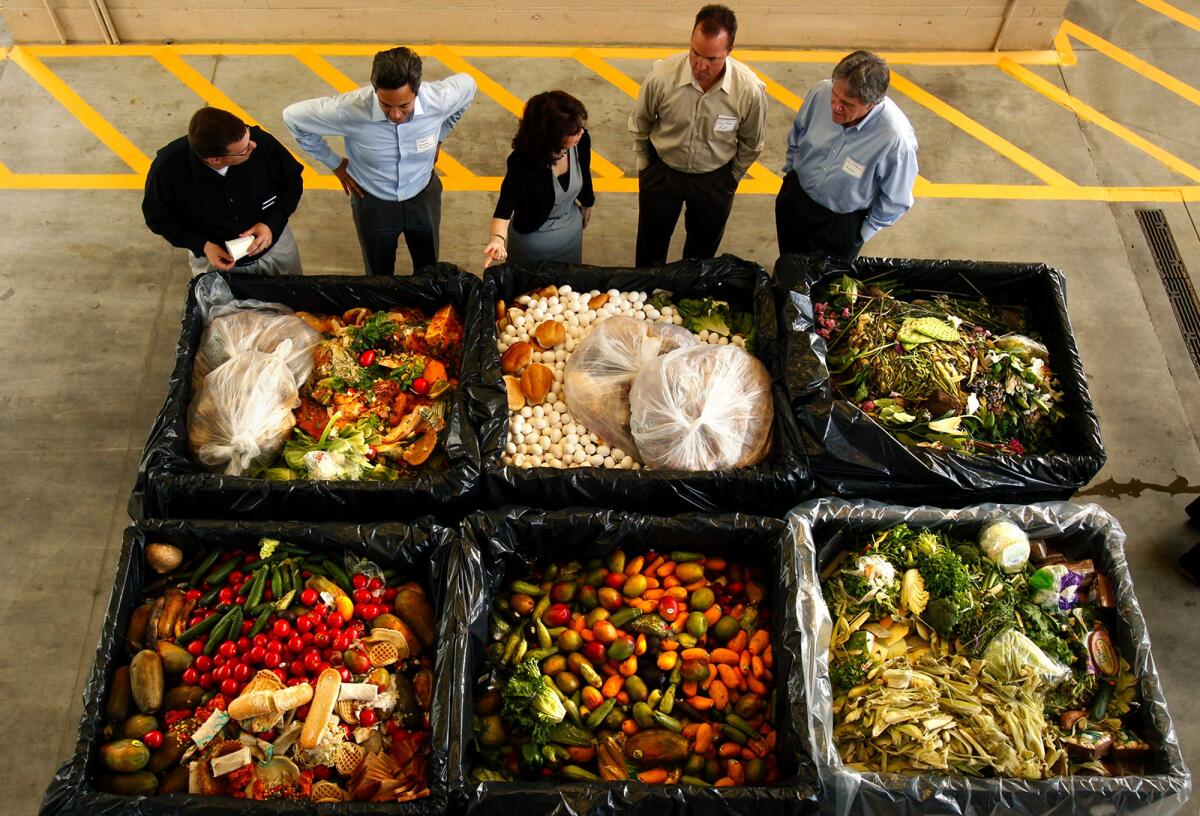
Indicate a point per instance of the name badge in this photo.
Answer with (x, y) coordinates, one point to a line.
(427, 143)
(853, 168)
(725, 123)
(268, 202)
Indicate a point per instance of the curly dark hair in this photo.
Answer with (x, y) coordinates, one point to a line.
(712, 19)
(549, 118)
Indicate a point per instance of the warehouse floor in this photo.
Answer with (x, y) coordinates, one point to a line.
(90, 300)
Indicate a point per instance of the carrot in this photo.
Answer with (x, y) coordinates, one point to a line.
(746, 662)
(639, 645)
(768, 657)
(759, 641)
(695, 653)
(668, 645)
(680, 623)
(654, 776)
(612, 686)
(623, 697)
(689, 688)
(646, 606)
(608, 668)
(677, 592)
(704, 739)
(729, 676)
(629, 666)
(724, 782)
(724, 656)
(652, 568)
(579, 623)
(652, 583)
(714, 564)
(758, 748)
(634, 566)
(729, 749)
(757, 667)
(689, 730)
(748, 753)
(581, 753)
(665, 569)
(739, 643)
(886, 621)
(712, 614)
(629, 727)
(719, 694)
(755, 685)
(670, 582)
(700, 703)
(699, 583)
(653, 594)
(736, 771)
(708, 681)
(667, 660)
(434, 371)
(587, 634)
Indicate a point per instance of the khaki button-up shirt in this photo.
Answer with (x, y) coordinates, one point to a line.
(697, 132)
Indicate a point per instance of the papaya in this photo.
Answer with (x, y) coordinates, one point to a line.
(142, 783)
(146, 680)
(119, 705)
(138, 726)
(174, 658)
(169, 754)
(412, 605)
(175, 782)
(125, 755)
(656, 747)
(138, 618)
(183, 697)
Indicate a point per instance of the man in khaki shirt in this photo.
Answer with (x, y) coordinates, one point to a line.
(698, 126)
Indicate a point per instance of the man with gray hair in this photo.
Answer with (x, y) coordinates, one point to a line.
(851, 163)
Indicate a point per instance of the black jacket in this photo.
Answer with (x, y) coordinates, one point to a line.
(528, 188)
(189, 203)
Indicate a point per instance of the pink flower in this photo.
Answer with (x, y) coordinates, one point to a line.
(1015, 447)
(846, 311)
(868, 405)
(824, 333)
(821, 307)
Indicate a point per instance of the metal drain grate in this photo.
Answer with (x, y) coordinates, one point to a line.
(1174, 277)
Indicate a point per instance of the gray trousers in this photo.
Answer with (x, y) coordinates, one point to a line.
(283, 258)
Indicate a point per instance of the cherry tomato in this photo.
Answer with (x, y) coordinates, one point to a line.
(246, 627)
(242, 673)
(368, 717)
(227, 649)
(375, 584)
(309, 597)
(389, 594)
(206, 681)
(321, 772)
(359, 580)
(230, 688)
(281, 674)
(220, 673)
(153, 739)
(260, 639)
(421, 385)
(594, 651)
(312, 662)
(295, 644)
(304, 625)
(281, 628)
(341, 643)
(235, 577)
(297, 668)
(334, 621)
(243, 643)
(204, 663)
(357, 626)
(295, 681)
(226, 595)
(190, 676)
(192, 594)
(366, 358)
(273, 660)
(361, 596)
(371, 452)
(321, 640)
(195, 647)
(256, 655)
(557, 615)
(345, 674)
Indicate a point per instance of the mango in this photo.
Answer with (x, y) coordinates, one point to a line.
(656, 747)
(183, 697)
(125, 755)
(689, 572)
(119, 705)
(174, 658)
(146, 681)
(169, 754)
(142, 783)
(138, 726)
(413, 607)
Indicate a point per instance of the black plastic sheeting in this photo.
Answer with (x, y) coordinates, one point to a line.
(771, 487)
(852, 456)
(824, 527)
(420, 550)
(499, 545)
(172, 484)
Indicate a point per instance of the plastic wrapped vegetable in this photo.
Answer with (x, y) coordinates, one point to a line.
(1010, 652)
(255, 330)
(703, 408)
(241, 414)
(601, 370)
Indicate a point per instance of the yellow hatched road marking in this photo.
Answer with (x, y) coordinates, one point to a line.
(507, 99)
(779, 92)
(1178, 15)
(341, 83)
(1088, 113)
(1131, 62)
(85, 113)
(72, 181)
(968, 125)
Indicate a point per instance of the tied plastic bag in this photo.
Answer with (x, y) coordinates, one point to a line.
(256, 330)
(214, 298)
(600, 372)
(1010, 653)
(702, 408)
(242, 413)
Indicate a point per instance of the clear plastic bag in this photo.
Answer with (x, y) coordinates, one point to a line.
(214, 299)
(702, 408)
(241, 414)
(600, 372)
(255, 330)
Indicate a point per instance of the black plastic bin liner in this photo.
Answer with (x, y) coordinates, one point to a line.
(824, 527)
(497, 547)
(419, 549)
(171, 483)
(772, 486)
(853, 456)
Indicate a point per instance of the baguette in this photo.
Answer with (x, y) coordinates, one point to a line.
(325, 695)
(260, 703)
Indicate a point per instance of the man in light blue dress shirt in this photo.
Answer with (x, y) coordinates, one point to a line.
(851, 163)
(392, 129)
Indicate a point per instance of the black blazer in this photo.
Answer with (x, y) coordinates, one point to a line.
(528, 189)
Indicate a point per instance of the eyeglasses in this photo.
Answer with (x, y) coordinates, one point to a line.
(241, 153)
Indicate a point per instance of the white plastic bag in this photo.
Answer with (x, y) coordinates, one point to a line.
(601, 369)
(215, 298)
(702, 408)
(256, 330)
(241, 414)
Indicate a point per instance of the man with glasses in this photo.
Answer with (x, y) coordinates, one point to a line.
(221, 182)
(393, 129)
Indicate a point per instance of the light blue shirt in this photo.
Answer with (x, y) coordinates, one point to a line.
(869, 166)
(391, 162)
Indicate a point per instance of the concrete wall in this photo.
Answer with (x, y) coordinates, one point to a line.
(884, 24)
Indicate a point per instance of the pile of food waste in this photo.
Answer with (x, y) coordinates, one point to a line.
(655, 667)
(281, 673)
(942, 372)
(980, 657)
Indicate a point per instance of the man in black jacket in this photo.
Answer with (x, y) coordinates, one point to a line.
(221, 182)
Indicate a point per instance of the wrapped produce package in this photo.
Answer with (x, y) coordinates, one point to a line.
(853, 455)
(824, 528)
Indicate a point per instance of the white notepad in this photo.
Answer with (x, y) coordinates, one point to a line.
(238, 246)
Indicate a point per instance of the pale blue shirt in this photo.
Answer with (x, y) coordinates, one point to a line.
(869, 166)
(391, 162)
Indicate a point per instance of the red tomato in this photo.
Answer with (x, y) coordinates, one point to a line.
(281, 628)
(307, 637)
(281, 674)
(220, 673)
(362, 596)
(242, 672)
(335, 620)
(295, 644)
(616, 580)
(190, 676)
(668, 608)
(372, 452)
(312, 662)
(225, 595)
(557, 615)
(273, 660)
(193, 594)
(235, 577)
(203, 663)
(374, 584)
(367, 358)
(230, 688)
(195, 647)
(345, 674)
(153, 739)
(297, 668)
(595, 652)
(357, 626)
(321, 640)
(228, 648)
(342, 642)
(243, 643)
(421, 385)
(368, 717)
(359, 580)
(309, 597)
(206, 681)
(295, 681)
(220, 660)
(256, 655)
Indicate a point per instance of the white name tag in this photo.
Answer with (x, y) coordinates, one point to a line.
(426, 143)
(725, 123)
(853, 168)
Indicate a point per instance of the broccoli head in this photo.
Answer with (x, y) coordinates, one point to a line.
(944, 572)
(942, 615)
(850, 671)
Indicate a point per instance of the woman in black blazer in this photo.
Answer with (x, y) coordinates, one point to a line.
(546, 197)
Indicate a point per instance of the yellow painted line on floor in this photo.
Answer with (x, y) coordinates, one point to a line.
(778, 92)
(1019, 192)
(72, 181)
(1178, 15)
(81, 110)
(344, 84)
(3, 53)
(1066, 53)
(4, 171)
(972, 128)
(1090, 114)
(1135, 64)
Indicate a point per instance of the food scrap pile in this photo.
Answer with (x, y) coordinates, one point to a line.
(945, 373)
(655, 667)
(378, 398)
(982, 658)
(278, 674)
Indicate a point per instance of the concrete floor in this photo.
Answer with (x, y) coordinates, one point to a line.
(90, 301)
